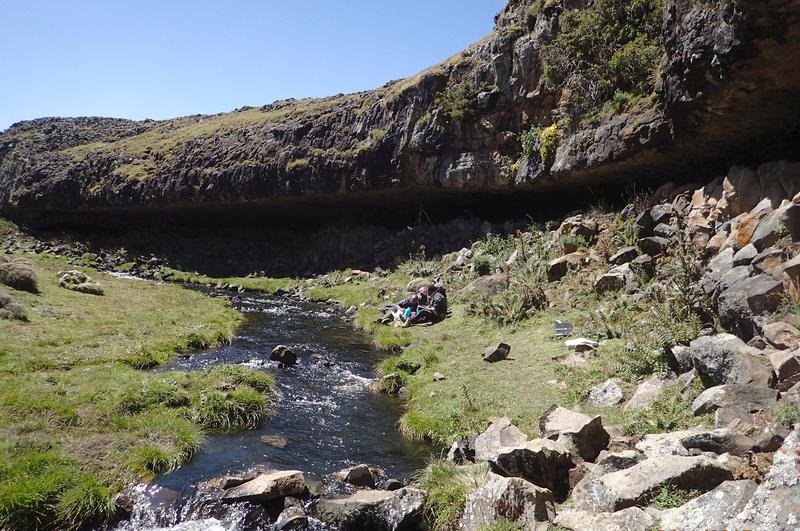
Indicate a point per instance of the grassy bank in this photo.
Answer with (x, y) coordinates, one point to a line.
(79, 419)
(634, 333)
(259, 284)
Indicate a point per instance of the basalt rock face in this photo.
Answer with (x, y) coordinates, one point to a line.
(727, 88)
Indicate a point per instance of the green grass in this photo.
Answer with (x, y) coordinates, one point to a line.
(447, 486)
(670, 496)
(260, 284)
(78, 421)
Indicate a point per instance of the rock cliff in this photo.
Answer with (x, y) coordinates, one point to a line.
(725, 90)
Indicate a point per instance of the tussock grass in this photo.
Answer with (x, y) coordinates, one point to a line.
(447, 486)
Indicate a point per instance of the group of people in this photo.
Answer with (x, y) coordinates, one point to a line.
(427, 306)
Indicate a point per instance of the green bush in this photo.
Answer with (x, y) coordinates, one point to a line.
(671, 496)
(483, 265)
(787, 414)
(549, 143)
(454, 100)
(671, 412)
(612, 45)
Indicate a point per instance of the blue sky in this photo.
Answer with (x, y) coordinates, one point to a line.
(164, 58)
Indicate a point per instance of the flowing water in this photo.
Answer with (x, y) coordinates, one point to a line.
(326, 419)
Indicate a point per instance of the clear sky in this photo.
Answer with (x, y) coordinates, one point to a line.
(164, 58)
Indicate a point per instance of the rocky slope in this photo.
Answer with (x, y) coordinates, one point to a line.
(725, 91)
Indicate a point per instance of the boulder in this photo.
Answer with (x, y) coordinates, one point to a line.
(750, 397)
(522, 503)
(775, 505)
(719, 441)
(415, 284)
(763, 293)
(786, 366)
(462, 450)
(606, 394)
(630, 519)
(581, 344)
(726, 359)
(644, 264)
(769, 262)
(373, 509)
(496, 353)
(578, 226)
(284, 355)
(575, 360)
(291, 518)
(654, 245)
(437, 376)
(682, 358)
(782, 335)
(746, 224)
(661, 213)
(745, 255)
(488, 285)
(582, 435)
(619, 278)
(606, 464)
(559, 267)
(543, 462)
(359, 476)
(771, 228)
(645, 394)
(623, 255)
(660, 444)
(662, 230)
(500, 434)
(267, 487)
(634, 486)
(712, 510)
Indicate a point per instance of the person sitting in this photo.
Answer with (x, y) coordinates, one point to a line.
(433, 312)
(394, 312)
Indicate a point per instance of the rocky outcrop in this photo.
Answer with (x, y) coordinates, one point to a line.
(267, 487)
(521, 502)
(373, 509)
(728, 85)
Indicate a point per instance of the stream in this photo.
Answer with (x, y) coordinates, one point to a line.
(325, 418)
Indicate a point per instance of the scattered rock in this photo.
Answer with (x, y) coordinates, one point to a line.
(630, 519)
(644, 264)
(500, 434)
(519, 501)
(579, 433)
(654, 245)
(753, 397)
(632, 486)
(645, 394)
(373, 509)
(392, 484)
(712, 510)
(488, 285)
(624, 255)
(581, 344)
(775, 505)
(606, 394)
(543, 462)
(462, 450)
(661, 444)
(415, 284)
(559, 267)
(782, 335)
(682, 357)
(277, 441)
(770, 262)
(284, 355)
(496, 353)
(617, 279)
(359, 476)
(745, 255)
(787, 368)
(291, 518)
(575, 360)
(719, 441)
(725, 359)
(267, 487)
(606, 463)
(438, 377)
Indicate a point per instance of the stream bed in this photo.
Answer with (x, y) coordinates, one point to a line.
(325, 418)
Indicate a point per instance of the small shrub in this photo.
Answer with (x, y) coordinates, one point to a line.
(504, 524)
(377, 135)
(670, 496)
(10, 309)
(454, 100)
(483, 265)
(530, 141)
(550, 137)
(87, 501)
(18, 273)
(787, 414)
(671, 412)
